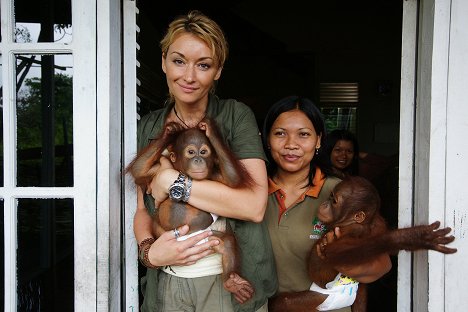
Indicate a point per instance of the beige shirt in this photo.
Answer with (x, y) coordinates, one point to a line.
(294, 232)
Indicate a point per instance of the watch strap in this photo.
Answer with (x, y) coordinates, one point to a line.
(188, 188)
(180, 178)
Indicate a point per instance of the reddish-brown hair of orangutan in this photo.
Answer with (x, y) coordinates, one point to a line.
(367, 237)
(228, 169)
(354, 207)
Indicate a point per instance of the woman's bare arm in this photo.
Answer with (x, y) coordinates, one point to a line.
(215, 197)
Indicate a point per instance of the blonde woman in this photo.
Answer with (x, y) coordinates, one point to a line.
(194, 50)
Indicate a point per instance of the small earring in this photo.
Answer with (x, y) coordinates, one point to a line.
(269, 147)
(317, 150)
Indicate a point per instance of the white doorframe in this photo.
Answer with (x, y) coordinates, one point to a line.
(406, 158)
(455, 269)
(84, 110)
(445, 115)
(109, 156)
(430, 177)
(440, 153)
(130, 64)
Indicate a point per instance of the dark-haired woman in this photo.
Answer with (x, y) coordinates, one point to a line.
(293, 130)
(340, 152)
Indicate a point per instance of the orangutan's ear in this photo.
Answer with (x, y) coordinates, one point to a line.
(360, 216)
(172, 157)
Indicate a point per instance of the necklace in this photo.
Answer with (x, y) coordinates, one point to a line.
(178, 117)
(301, 185)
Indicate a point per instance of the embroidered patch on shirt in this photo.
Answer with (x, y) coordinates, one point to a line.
(318, 228)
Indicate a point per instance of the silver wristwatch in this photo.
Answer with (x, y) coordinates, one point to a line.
(177, 189)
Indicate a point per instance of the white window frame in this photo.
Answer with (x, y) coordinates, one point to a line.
(83, 193)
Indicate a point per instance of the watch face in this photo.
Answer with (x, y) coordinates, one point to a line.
(176, 192)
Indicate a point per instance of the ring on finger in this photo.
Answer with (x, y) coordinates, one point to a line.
(176, 233)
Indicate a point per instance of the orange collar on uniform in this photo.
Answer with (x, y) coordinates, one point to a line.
(313, 191)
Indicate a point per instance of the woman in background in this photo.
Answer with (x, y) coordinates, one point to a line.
(340, 152)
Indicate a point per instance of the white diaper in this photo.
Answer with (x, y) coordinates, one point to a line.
(209, 265)
(341, 293)
(220, 226)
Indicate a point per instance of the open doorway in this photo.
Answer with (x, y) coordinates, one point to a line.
(293, 48)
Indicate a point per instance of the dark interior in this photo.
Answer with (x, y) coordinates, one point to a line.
(279, 49)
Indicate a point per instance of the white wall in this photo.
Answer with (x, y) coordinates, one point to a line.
(455, 200)
(441, 150)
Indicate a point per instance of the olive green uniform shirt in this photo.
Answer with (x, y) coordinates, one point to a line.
(295, 230)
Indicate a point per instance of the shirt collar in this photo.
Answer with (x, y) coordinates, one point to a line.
(313, 191)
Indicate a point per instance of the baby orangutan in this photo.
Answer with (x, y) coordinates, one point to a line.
(198, 153)
(353, 207)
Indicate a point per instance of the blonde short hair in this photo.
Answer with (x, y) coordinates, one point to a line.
(201, 26)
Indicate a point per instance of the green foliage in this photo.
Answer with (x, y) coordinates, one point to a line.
(339, 118)
(29, 112)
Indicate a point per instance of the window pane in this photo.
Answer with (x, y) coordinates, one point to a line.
(43, 21)
(45, 253)
(340, 118)
(44, 120)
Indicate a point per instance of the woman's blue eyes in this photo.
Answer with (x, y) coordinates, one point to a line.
(202, 66)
